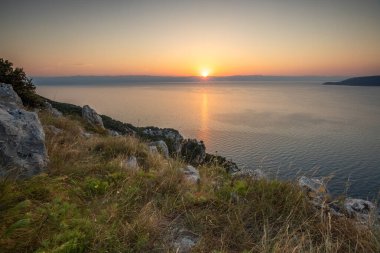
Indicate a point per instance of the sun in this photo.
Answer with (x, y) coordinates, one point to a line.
(205, 73)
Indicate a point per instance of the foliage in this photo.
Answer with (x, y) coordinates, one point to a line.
(21, 84)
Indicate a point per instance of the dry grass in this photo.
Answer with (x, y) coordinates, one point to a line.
(86, 202)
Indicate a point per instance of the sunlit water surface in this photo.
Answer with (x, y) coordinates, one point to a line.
(287, 129)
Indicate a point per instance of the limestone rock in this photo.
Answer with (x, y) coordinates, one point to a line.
(113, 133)
(317, 192)
(172, 137)
(193, 151)
(54, 112)
(130, 163)
(313, 185)
(91, 116)
(153, 150)
(161, 147)
(22, 138)
(191, 174)
(8, 97)
(359, 208)
(184, 241)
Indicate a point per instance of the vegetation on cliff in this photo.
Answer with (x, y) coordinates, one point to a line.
(87, 202)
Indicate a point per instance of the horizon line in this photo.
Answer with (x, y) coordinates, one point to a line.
(193, 76)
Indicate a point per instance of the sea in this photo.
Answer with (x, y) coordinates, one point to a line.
(285, 128)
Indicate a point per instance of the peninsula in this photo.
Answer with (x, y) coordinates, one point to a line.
(358, 81)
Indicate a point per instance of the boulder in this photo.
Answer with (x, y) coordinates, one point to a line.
(91, 116)
(312, 185)
(193, 151)
(52, 111)
(317, 192)
(130, 163)
(191, 174)
(172, 137)
(113, 133)
(161, 147)
(256, 174)
(8, 97)
(359, 208)
(153, 150)
(22, 138)
(184, 241)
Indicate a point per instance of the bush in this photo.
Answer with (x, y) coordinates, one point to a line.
(21, 84)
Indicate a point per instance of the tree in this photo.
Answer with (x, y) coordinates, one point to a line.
(21, 84)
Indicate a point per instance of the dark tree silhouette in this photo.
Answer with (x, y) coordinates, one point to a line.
(22, 85)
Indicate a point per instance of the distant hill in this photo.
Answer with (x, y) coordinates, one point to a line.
(131, 80)
(358, 81)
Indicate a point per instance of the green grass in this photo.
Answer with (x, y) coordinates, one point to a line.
(86, 202)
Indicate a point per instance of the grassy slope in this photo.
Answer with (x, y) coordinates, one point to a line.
(86, 202)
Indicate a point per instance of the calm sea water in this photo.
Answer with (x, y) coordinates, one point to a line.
(287, 129)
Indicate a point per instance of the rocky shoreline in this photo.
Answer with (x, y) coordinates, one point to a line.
(23, 153)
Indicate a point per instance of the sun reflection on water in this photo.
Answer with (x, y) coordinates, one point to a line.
(203, 132)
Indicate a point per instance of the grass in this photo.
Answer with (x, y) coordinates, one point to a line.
(86, 202)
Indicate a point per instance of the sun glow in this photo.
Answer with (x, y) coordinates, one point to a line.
(205, 73)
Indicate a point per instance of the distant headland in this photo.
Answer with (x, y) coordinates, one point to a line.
(138, 79)
(358, 81)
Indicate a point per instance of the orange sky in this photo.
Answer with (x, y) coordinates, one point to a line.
(167, 37)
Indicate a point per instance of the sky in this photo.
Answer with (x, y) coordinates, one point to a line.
(190, 38)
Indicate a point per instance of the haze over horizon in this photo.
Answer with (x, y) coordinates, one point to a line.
(192, 38)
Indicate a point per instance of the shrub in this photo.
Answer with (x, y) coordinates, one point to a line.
(22, 85)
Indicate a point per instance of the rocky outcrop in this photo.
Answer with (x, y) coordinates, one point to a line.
(193, 151)
(52, 111)
(359, 208)
(313, 186)
(22, 139)
(161, 147)
(316, 190)
(191, 174)
(8, 97)
(172, 137)
(90, 115)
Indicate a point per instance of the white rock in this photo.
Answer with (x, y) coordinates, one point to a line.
(130, 163)
(191, 174)
(359, 208)
(161, 147)
(312, 184)
(91, 116)
(153, 149)
(54, 112)
(184, 241)
(113, 133)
